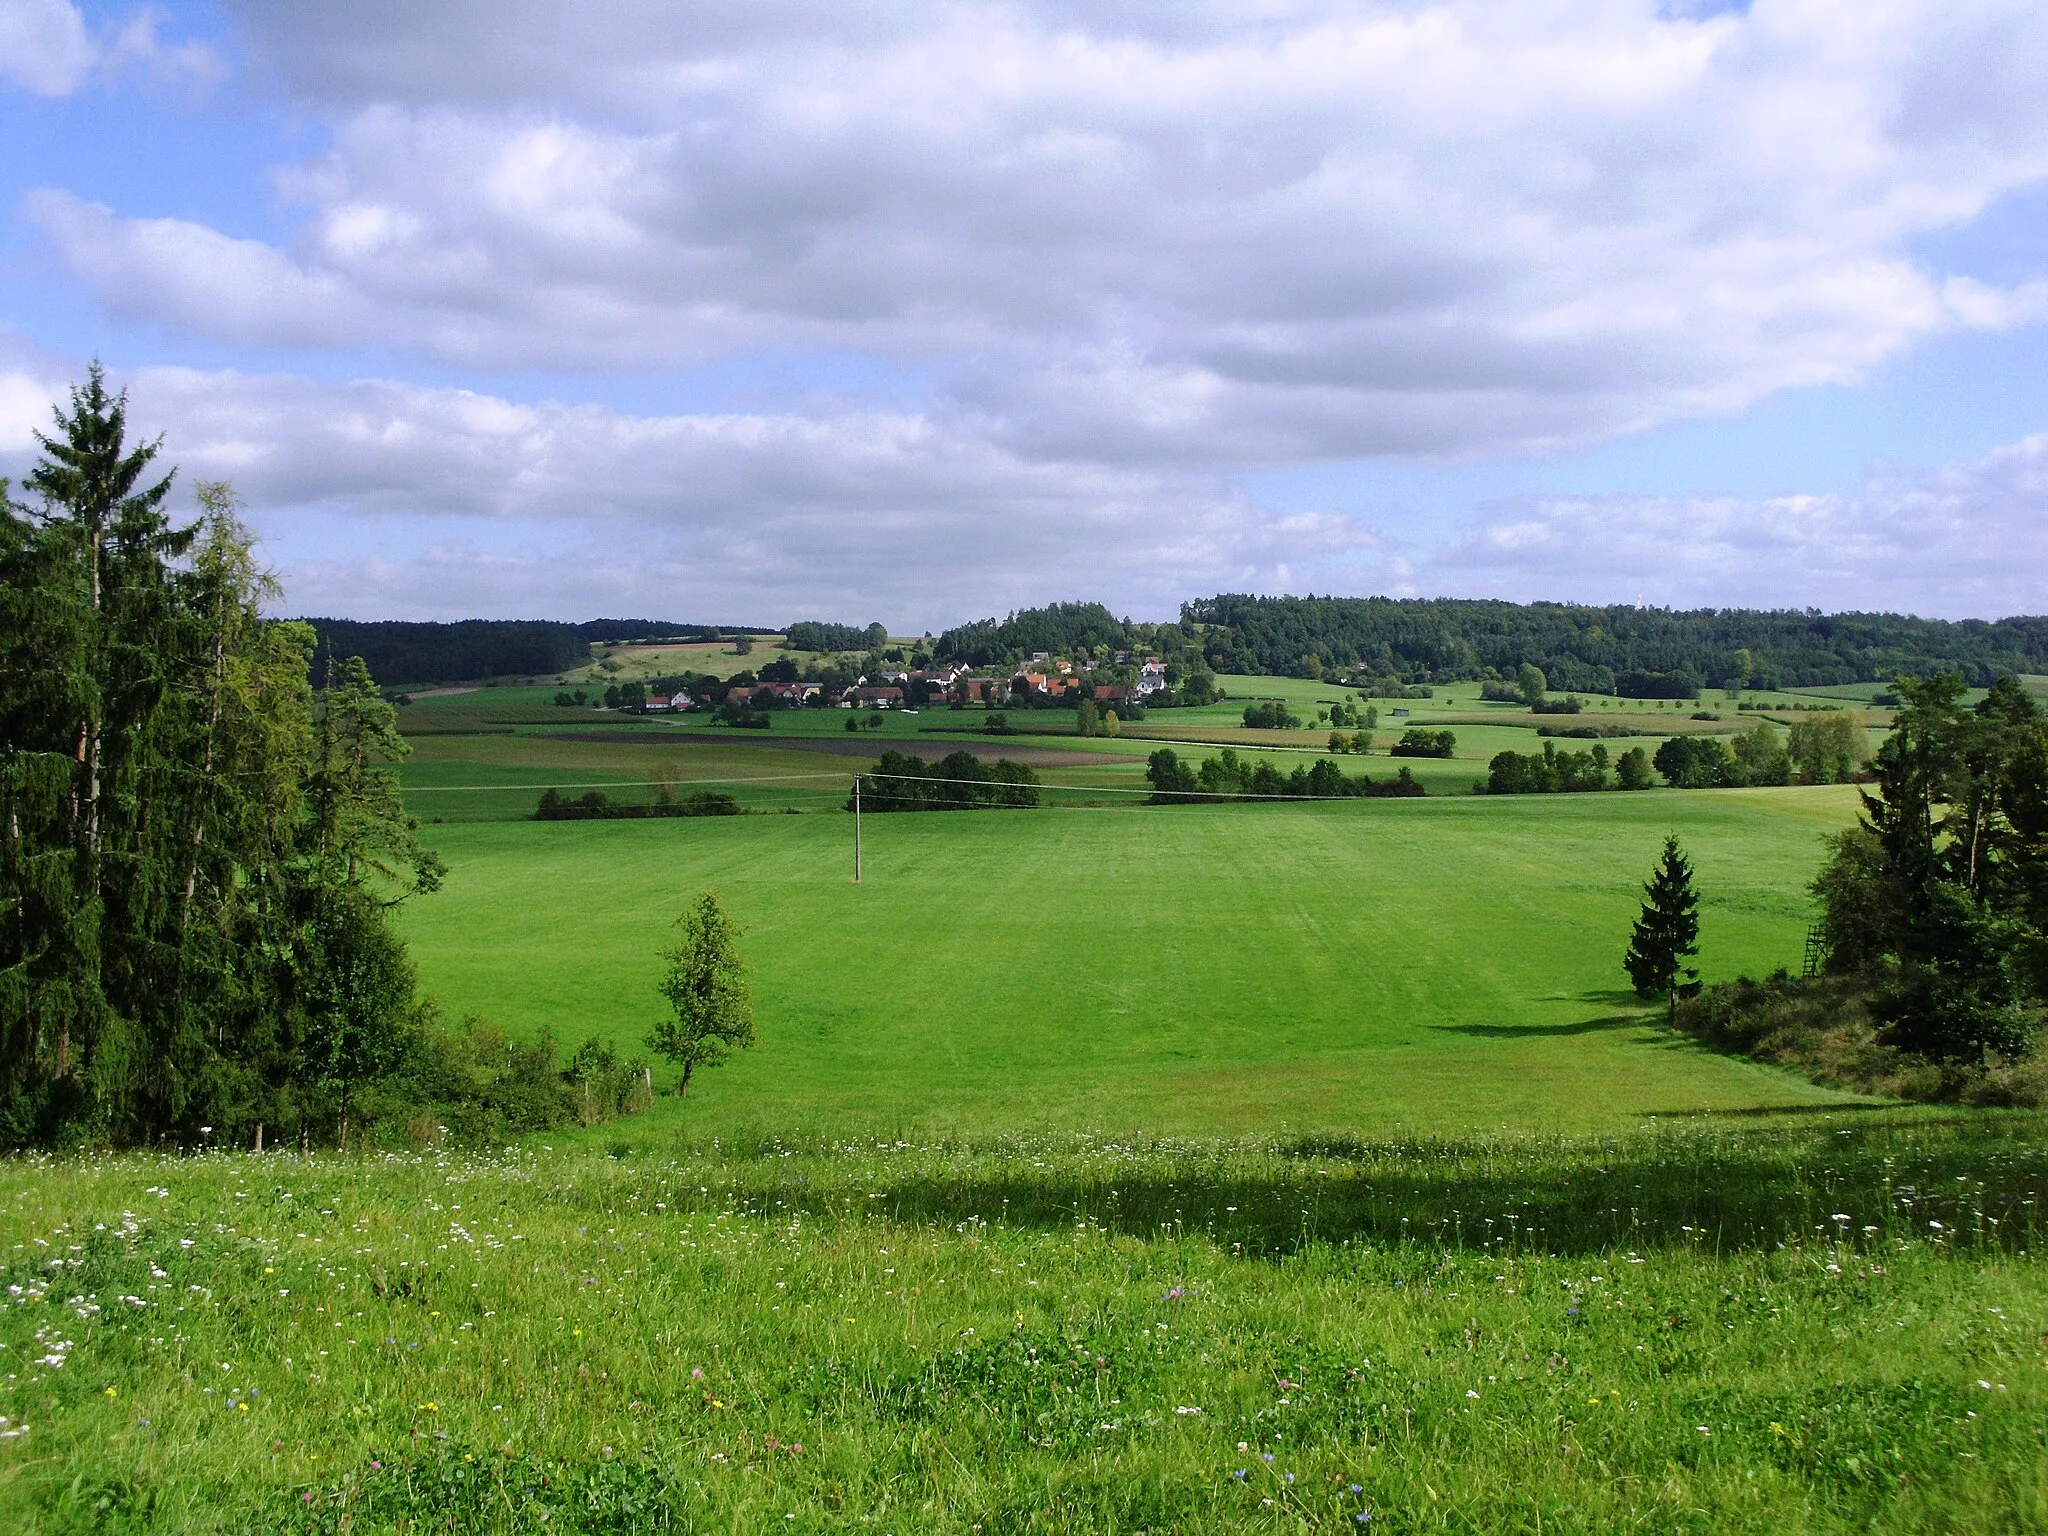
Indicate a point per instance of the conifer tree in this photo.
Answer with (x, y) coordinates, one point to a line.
(1668, 929)
(196, 863)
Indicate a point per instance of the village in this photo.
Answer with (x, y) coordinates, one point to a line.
(1044, 681)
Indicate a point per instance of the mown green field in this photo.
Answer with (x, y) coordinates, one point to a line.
(1383, 966)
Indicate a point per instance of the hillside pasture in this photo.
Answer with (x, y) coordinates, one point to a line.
(1429, 966)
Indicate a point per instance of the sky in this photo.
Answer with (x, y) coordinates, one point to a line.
(748, 310)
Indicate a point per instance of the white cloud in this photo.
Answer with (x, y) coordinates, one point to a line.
(1970, 540)
(391, 499)
(386, 499)
(43, 46)
(1143, 233)
(47, 49)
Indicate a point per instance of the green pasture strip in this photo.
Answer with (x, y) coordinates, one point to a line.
(1422, 965)
(1831, 1328)
(494, 778)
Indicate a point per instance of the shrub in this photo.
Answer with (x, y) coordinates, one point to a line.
(1419, 741)
(1270, 715)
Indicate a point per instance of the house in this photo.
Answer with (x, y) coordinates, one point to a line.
(1109, 693)
(878, 698)
(659, 701)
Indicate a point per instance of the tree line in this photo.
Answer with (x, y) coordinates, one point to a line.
(1231, 777)
(1827, 750)
(1641, 652)
(959, 781)
(399, 652)
(815, 635)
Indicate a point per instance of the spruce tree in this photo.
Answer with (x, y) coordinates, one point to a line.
(196, 862)
(1668, 929)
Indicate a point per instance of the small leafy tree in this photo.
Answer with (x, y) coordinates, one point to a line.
(707, 993)
(1668, 930)
(1531, 683)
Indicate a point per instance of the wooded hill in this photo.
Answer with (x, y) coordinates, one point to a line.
(1591, 649)
(1658, 652)
(400, 652)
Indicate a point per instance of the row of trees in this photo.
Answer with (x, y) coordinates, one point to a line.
(1230, 777)
(815, 635)
(959, 781)
(199, 853)
(1552, 772)
(1827, 750)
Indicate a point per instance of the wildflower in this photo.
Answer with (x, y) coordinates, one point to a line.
(1703, 1429)
(113, 1392)
(1470, 1393)
(1239, 1474)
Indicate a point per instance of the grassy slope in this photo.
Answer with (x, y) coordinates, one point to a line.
(1669, 1334)
(1421, 965)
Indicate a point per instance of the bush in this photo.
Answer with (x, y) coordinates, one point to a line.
(1606, 730)
(1419, 741)
(1570, 704)
(1829, 1028)
(1657, 685)
(1272, 715)
(596, 805)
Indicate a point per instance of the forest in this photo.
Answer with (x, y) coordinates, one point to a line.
(1642, 652)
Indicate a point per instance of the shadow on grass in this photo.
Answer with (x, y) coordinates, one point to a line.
(1970, 1184)
(1542, 1031)
(1774, 1111)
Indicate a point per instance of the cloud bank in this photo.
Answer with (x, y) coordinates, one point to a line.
(1208, 233)
(1125, 252)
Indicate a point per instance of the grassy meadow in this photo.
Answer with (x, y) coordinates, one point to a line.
(1102, 1168)
(1831, 1327)
(1405, 967)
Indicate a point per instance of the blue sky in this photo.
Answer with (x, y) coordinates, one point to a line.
(760, 311)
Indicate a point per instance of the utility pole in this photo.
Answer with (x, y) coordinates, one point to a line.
(856, 829)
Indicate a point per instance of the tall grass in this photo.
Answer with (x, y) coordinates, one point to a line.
(1830, 1326)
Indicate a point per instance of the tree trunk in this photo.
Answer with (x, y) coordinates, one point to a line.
(683, 1087)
